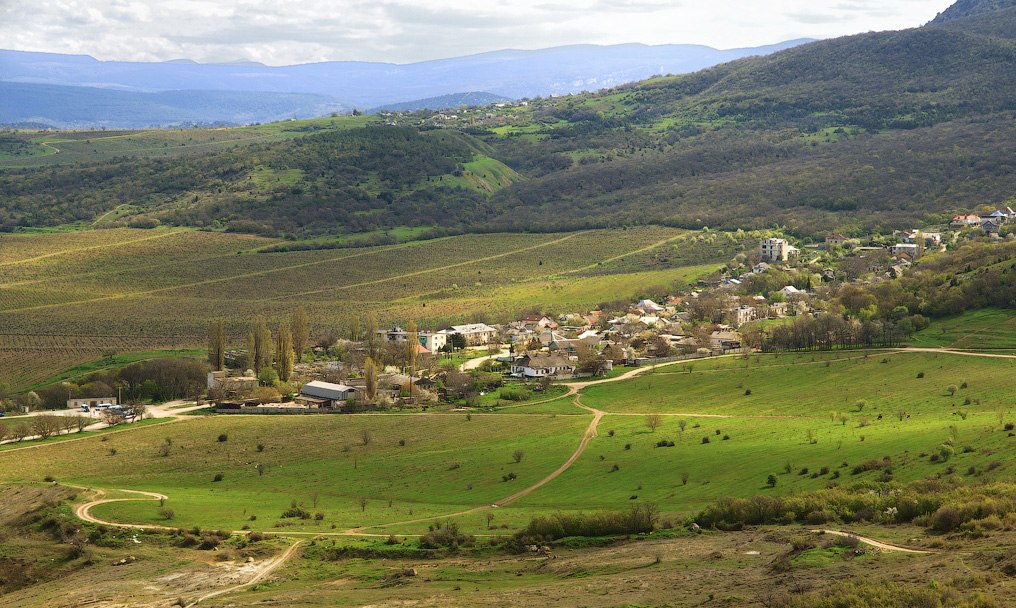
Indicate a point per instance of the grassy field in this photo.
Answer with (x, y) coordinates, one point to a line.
(451, 463)
(815, 386)
(73, 297)
(988, 328)
(63, 147)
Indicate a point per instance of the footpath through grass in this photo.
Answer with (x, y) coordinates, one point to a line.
(447, 464)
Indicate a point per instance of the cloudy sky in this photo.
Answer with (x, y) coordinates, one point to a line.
(283, 32)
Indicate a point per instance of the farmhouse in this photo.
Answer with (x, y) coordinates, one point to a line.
(325, 394)
(541, 366)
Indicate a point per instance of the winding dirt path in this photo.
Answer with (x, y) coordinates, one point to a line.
(262, 572)
(885, 547)
(83, 511)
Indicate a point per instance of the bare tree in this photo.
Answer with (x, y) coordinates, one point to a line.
(137, 411)
(20, 431)
(653, 421)
(363, 503)
(365, 436)
(517, 455)
(111, 418)
(46, 426)
(4, 432)
(81, 422)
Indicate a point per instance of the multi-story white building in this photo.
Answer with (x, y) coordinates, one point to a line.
(777, 250)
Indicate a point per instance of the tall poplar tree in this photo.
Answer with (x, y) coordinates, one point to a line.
(217, 345)
(284, 352)
(301, 333)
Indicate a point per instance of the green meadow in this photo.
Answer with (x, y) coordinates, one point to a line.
(815, 385)
(400, 473)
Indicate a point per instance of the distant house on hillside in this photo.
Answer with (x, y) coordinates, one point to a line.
(964, 221)
(777, 250)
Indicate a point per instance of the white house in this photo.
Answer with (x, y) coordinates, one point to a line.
(790, 292)
(541, 366)
(475, 333)
(429, 340)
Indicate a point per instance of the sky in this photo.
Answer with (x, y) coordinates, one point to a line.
(286, 32)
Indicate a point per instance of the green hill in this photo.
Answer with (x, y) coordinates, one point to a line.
(859, 134)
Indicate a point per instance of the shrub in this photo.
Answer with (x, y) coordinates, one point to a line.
(446, 536)
(223, 437)
(295, 511)
(945, 519)
(218, 477)
(705, 439)
(920, 374)
(166, 513)
(261, 447)
(872, 465)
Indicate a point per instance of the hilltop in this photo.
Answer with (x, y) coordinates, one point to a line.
(971, 8)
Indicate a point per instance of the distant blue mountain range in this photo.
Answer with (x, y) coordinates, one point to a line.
(511, 74)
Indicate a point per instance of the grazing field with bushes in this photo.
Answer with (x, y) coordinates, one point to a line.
(426, 486)
(74, 297)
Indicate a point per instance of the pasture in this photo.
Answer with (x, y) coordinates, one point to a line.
(375, 471)
(75, 297)
(815, 385)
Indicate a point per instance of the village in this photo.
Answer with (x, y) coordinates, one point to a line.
(732, 311)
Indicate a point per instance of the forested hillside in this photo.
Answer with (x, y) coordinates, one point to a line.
(863, 133)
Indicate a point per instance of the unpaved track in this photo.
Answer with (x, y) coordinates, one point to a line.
(267, 568)
(874, 543)
(82, 511)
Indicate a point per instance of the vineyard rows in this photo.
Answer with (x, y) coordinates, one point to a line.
(141, 293)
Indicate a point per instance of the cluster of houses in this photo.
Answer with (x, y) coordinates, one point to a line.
(991, 223)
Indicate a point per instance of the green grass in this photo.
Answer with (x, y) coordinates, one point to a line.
(795, 385)
(987, 328)
(307, 454)
(756, 448)
(451, 463)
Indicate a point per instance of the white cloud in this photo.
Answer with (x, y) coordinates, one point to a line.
(279, 32)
